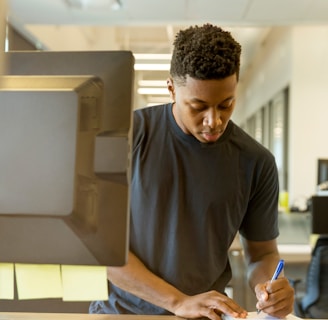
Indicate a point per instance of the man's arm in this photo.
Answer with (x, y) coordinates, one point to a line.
(135, 278)
(262, 257)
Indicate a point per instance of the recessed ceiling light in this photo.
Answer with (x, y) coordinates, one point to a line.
(152, 83)
(152, 66)
(152, 56)
(156, 91)
(95, 4)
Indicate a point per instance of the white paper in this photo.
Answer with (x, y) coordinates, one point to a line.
(260, 316)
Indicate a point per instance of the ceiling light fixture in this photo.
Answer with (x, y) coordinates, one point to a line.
(152, 66)
(152, 56)
(156, 91)
(152, 83)
(95, 4)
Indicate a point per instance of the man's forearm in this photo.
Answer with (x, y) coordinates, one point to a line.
(262, 270)
(135, 278)
(261, 259)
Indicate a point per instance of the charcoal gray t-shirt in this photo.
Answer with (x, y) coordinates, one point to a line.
(188, 200)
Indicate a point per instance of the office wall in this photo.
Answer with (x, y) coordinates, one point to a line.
(269, 73)
(308, 107)
(295, 57)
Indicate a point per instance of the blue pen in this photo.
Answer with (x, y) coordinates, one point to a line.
(279, 268)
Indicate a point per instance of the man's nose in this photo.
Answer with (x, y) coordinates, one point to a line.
(212, 118)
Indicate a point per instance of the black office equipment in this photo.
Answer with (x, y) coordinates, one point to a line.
(319, 210)
(322, 171)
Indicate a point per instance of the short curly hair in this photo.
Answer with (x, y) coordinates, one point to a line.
(204, 52)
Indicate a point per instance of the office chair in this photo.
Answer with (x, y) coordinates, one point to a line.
(314, 304)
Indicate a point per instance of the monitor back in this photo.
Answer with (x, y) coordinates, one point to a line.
(88, 218)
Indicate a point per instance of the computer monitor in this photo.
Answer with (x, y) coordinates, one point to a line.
(65, 157)
(322, 171)
(319, 210)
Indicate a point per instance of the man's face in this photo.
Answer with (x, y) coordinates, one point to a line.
(203, 108)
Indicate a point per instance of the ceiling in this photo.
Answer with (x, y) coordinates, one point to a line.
(149, 26)
(154, 12)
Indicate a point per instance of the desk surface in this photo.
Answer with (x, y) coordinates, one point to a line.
(78, 316)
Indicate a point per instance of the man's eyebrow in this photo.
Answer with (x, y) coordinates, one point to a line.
(195, 99)
(229, 98)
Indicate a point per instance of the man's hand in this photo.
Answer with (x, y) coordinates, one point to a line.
(275, 298)
(135, 278)
(210, 305)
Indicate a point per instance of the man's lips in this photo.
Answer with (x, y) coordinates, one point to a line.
(211, 136)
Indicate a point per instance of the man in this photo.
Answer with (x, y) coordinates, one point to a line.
(198, 179)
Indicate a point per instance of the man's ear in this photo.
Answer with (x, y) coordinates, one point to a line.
(170, 87)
